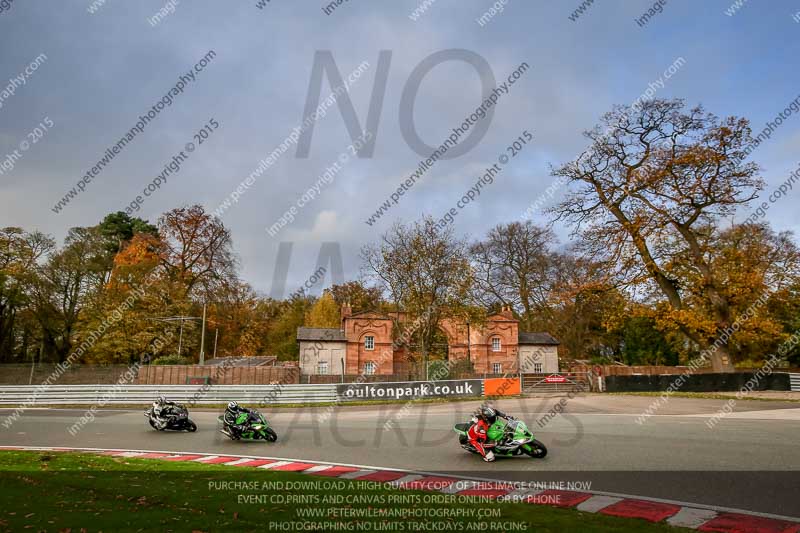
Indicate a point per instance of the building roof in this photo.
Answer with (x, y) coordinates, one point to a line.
(267, 360)
(320, 334)
(537, 338)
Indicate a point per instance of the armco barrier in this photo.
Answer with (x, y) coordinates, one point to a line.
(721, 382)
(32, 395)
(144, 394)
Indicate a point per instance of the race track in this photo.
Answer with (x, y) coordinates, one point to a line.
(749, 460)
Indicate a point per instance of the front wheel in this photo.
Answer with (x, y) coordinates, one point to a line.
(535, 449)
(270, 435)
(191, 426)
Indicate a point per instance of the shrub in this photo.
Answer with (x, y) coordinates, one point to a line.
(171, 360)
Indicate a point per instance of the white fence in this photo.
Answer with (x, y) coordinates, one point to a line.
(30, 395)
(794, 382)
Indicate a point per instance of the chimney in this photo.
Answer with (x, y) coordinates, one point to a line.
(506, 312)
(346, 312)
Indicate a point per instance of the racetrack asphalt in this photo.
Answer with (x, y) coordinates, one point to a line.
(749, 460)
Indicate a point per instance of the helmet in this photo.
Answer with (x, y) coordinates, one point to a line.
(161, 399)
(232, 405)
(488, 414)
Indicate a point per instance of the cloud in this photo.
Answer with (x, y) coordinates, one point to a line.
(104, 70)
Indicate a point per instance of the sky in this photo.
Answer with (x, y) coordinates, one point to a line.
(100, 65)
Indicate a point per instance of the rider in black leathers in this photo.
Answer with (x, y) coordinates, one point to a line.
(164, 411)
(232, 412)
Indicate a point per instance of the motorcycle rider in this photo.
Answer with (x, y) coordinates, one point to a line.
(232, 412)
(477, 433)
(493, 412)
(163, 412)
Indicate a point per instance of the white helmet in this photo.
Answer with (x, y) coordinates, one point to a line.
(232, 405)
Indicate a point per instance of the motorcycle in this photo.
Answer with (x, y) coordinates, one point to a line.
(505, 437)
(256, 427)
(179, 419)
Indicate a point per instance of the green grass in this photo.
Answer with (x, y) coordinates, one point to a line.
(706, 396)
(59, 491)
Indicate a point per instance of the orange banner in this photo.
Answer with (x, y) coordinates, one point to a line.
(501, 387)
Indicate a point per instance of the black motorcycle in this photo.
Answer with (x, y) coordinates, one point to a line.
(177, 417)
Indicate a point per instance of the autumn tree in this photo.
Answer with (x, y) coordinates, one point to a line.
(426, 272)
(514, 265)
(20, 253)
(242, 319)
(749, 261)
(357, 295)
(324, 313)
(136, 295)
(117, 229)
(65, 284)
(197, 251)
(586, 309)
(285, 317)
(62, 288)
(784, 307)
(657, 173)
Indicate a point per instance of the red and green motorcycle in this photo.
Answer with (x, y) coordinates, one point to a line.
(505, 437)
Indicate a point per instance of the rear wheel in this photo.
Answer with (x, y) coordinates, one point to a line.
(271, 435)
(535, 449)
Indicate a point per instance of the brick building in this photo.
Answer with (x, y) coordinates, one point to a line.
(365, 344)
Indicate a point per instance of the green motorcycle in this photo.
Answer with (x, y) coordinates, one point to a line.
(505, 437)
(255, 427)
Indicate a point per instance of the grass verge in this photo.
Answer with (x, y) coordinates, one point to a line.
(46, 491)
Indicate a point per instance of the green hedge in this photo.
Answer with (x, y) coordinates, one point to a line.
(172, 360)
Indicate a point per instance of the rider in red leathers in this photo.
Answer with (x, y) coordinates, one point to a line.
(477, 433)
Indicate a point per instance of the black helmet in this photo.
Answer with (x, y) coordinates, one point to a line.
(488, 414)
